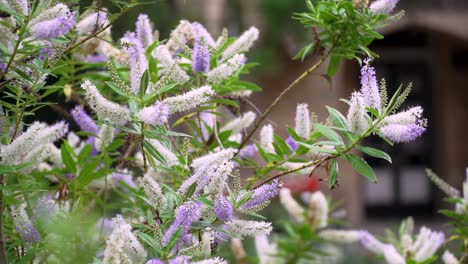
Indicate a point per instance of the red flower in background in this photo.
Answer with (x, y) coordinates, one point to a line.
(300, 184)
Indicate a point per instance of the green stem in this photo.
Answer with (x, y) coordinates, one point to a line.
(281, 96)
(3, 253)
(320, 161)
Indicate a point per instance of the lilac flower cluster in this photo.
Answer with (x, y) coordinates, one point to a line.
(223, 208)
(154, 115)
(55, 27)
(84, 121)
(263, 194)
(185, 215)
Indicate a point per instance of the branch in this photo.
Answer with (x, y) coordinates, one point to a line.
(282, 94)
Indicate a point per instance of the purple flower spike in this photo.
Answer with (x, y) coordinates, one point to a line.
(185, 215)
(201, 56)
(223, 208)
(292, 143)
(144, 31)
(29, 233)
(248, 151)
(123, 177)
(179, 260)
(154, 115)
(402, 133)
(138, 62)
(45, 207)
(53, 28)
(263, 194)
(94, 151)
(84, 121)
(155, 261)
(369, 86)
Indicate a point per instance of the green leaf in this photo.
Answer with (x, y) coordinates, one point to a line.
(117, 89)
(338, 118)
(225, 102)
(376, 153)
(149, 240)
(85, 153)
(67, 157)
(153, 152)
(333, 66)
(144, 84)
(328, 132)
(244, 199)
(87, 174)
(393, 101)
(117, 143)
(361, 166)
(174, 239)
(333, 174)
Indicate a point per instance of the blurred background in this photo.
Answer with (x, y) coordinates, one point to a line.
(428, 47)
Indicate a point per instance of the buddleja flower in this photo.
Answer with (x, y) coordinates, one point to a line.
(388, 251)
(200, 56)
(19, 6)
(154, 115)
(226, 70)
(180, 35)
(243, 43)
(266, 251)
(84, 121)
(216, 182)
(292, 143)
(342, 236)
(383, 6)
(54, 22)
(403, 133)
(185, 215)
(210, 169)
(144, 31)
(216, 157)
(37, 134)
(24, 225)
(263, 194)
(449, 258)
(137, 59)
(266, 138)
(404, 126)
(303, 125)
(423, 248)
(45, 207)
(92, 22)
(369, 86)
(239, 124)
(189, 100)
(216, 260)
(426, 244)
(318, 210)
(164, 57)
(223, 208)
(200, 31)
(357, 122)
(291, 205)
(122, 245)
(104, 108)
(169, 157)
(153, 192)
(244, 228)
(248, 151)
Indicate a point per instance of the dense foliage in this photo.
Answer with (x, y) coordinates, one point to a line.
(163, 147)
